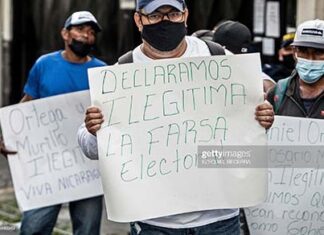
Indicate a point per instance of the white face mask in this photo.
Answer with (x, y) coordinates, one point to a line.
(310, 71)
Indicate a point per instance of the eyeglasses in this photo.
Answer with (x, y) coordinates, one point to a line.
(156, 17)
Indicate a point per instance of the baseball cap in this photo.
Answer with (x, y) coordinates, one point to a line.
(310, 34)
(151, 5)
(287, 39)
(234, 35)
(82, 17)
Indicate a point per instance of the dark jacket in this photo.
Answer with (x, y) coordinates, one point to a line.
(292, 103)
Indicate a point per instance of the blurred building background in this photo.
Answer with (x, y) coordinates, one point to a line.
(30, 28)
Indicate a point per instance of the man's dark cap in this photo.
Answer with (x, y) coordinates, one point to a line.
(234, 36)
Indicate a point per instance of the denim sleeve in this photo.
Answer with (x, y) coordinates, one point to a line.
(88, 143)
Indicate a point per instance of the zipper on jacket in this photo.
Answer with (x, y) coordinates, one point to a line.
(315, 103)
(298, 105)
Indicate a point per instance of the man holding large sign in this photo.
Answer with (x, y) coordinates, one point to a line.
(294, 204)
(58, 73)
(163, 27)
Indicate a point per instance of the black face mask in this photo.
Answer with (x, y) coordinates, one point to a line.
(165, 35)
(289, 61)
(81, 49)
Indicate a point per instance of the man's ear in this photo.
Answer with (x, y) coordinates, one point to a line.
(186, 14)
(294, 49)
(138, 22)
(65, 34)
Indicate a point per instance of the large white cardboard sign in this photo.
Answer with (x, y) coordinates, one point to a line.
(295, 200)
(49, 167)
(157, 114)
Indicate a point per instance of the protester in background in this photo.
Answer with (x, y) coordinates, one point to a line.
(302, 94)
(57, 73)
(162, 24)
(237, 38)
(234, 36)
(286, 52)
(286, 58)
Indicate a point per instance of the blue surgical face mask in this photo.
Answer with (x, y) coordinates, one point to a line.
(310, 71)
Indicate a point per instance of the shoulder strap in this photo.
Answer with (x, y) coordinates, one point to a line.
(279, 93)
(127, 58)
(215, 48)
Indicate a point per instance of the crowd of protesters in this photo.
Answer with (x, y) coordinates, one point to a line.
(297, 80)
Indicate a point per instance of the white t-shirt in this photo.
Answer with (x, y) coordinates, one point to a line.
(195, 47)
(88, 143)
